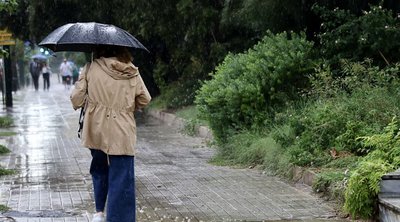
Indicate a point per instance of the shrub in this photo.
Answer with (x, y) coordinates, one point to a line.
(363, 187)
(4, 172)
(351, 76)
(246, 88)
(360, 103)
(327, 181)
(6, 121)
(4, 208)
(3, 149)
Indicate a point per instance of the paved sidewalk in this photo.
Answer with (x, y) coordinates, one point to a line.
(174, 182)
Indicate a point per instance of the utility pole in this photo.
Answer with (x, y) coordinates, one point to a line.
(6, 40)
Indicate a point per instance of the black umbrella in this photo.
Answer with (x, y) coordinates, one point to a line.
(85, 36)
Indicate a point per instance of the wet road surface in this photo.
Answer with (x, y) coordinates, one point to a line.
(174, 182)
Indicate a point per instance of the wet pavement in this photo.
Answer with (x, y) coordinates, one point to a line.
(174, 182)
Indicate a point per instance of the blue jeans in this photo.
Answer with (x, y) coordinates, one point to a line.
(114, 183)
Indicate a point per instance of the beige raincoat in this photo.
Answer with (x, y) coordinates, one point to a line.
(114, 90)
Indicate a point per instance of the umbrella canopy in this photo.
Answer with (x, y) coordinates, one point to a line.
(86, 36)
(40, 57)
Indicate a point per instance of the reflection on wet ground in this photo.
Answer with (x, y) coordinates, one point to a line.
(174, 182)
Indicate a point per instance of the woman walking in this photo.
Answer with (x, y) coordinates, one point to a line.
(111, 88)
(46, 76)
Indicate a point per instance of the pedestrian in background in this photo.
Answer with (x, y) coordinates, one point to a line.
(111, 88)
(66, 73)
(46, 76)
(35, 68)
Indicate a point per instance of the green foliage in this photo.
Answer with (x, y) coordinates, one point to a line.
(284, 134)
(324, 181)
(4, 208)
(236, 146)
(256, 153)
(6, 121)
(374, 34)
(276, 160)
(351, 76)
(246, 87)
(4, 172)
(346, 162)
(360, 103)
(363, 188)
(8, 5)
(250, 148)
(8, 133)
(3, 149)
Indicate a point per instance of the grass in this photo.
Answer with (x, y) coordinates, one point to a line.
(8, 134)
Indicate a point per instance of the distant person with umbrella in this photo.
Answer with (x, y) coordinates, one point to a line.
(66, 73)
(35, 68)
(111, 89)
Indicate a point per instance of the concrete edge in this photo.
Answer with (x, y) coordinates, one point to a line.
(172, 120)
(386, 202)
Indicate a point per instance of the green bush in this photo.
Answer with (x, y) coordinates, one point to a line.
(246, 88)
(324, 182)
(4, 172)
(361, 103)
(4, 208)
(363, 187)
(6, 121)
(351, 76)
(4, 149)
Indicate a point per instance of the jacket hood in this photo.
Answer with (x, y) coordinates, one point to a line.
(117, 69)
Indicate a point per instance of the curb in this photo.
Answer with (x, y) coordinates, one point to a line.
(172, 120)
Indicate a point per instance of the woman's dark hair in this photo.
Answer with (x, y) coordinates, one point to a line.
(122, 53)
